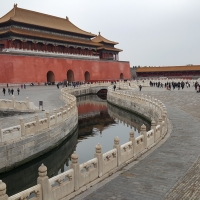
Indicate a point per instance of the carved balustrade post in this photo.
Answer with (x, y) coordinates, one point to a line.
(156, 105)
(3, 195)
(144, 133)
(145, 100)
(21, 122)
(165, 112)
(164, 121)
(132, 138)
(61, 110)
(153, 127)
(118, 147)
(164, 116)
(55, 113)
(75, 166)
(48, 118)
(161, 126)
(98, 154)
(36, 123)
(43, 180)
(65, 108)
(27, 103)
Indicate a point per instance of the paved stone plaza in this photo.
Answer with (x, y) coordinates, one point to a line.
(50, 96)
(171, 171)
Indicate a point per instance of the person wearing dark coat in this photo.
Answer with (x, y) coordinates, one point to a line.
(18, 90)
(140, 87)
(114, 87)
(4, 91)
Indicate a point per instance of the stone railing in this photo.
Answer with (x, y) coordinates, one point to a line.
(14, 105)
(82, 176)
(29, 140)
(52, 54)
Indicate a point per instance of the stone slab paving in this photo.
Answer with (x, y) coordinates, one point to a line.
(188, 186)
(172, 170)
(48, 94)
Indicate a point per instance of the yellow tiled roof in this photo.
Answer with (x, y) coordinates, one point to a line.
(49, 36)
(42, 20)
(100, 38)
(169, 69)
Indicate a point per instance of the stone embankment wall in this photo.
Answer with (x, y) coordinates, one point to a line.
(22, 143)
(13, 105)
(82, 176)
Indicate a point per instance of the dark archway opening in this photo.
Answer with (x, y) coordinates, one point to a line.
(121, 76)
(50, 77)
(70, 76)
(102, 94)
(87, 76)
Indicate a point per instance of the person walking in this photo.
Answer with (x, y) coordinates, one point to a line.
(12, 91)
(9, 91)
(4, 91)
(140, 87)
(114, 87)
(18, 90)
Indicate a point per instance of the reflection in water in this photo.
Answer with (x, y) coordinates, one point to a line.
(128, 118)
(98, 123)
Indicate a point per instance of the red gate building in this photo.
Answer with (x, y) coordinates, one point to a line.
(39, 48)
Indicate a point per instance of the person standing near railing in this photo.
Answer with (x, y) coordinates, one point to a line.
(114, 87)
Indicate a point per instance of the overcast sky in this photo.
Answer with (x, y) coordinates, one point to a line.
(150, 32)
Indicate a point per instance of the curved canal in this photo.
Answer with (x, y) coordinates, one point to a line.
(99, 122)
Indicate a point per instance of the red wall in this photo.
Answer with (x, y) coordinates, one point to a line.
(19, 69)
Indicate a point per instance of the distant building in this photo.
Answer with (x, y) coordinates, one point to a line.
(188, 71)
(35, 47)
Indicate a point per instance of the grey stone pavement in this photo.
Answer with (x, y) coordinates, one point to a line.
(172, 170)
(48, 94)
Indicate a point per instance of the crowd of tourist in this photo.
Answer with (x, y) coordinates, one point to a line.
(179, 85)
(168, 85)
(10, 91)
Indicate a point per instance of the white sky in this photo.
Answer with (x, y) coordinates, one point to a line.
(150, 32)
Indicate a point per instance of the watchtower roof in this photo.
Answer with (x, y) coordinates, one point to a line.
(101, 39)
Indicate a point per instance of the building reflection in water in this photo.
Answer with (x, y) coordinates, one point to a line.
(99, 122)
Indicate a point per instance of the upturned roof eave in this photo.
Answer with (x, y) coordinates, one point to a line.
(13, 20)
(49, 37)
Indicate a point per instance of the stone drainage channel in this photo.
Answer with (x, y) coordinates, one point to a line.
(99, 122)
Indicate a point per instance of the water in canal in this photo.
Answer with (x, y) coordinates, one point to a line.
(99, 122)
